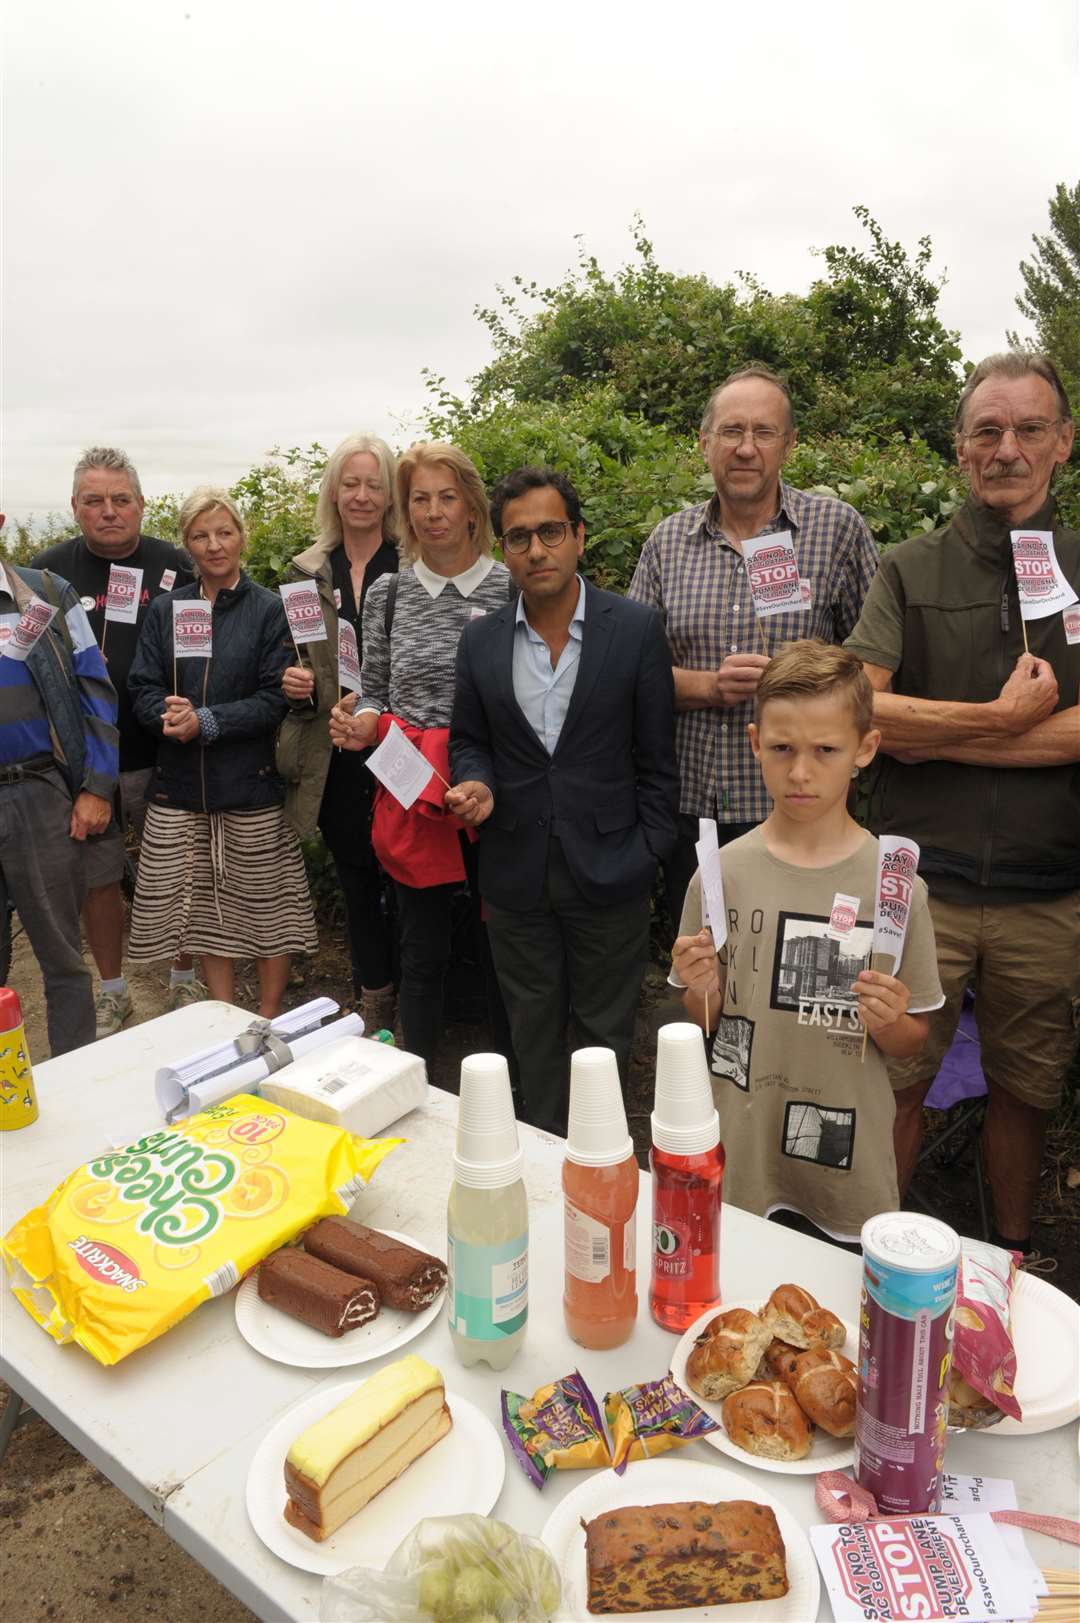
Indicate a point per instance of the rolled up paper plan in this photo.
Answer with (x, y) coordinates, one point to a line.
(246, 1078)
(173, 1082)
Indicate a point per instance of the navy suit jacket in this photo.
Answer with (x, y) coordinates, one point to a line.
(611, 789)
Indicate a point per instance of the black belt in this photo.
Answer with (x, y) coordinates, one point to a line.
(36, 767)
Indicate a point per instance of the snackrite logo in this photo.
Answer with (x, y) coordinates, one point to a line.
(107, 1264)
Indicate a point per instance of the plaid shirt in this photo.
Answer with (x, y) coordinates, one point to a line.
(696, 579)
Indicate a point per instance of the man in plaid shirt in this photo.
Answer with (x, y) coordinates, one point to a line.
(691, 569)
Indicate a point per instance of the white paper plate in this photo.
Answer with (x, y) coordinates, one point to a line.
(279, 1336)
(651, 1482)
(1046, 1334)
(826, 1453)
(464, 1471)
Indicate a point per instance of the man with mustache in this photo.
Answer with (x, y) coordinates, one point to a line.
(984, 741)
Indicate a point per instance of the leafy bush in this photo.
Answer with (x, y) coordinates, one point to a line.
(864, 352)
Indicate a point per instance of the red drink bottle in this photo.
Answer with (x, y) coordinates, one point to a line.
(687, 1161)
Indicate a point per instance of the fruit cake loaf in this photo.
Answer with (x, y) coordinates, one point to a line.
(645, 1558)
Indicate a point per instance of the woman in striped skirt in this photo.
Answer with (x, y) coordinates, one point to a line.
(220, 874)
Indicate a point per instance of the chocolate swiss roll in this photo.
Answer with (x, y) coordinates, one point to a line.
(326, 1298)
(406, 1278)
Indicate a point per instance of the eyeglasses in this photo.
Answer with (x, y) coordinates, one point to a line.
(762, 437)
(1031, 435)
(549, 534)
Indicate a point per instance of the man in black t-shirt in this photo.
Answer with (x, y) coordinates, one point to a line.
(107, 502)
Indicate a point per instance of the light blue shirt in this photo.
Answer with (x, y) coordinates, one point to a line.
(544, 694)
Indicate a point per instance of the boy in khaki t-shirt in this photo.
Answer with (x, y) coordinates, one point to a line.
(806, 1126)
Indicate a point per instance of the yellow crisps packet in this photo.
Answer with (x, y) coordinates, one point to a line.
(132, 1241)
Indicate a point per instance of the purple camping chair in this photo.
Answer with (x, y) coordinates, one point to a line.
(960, 1090)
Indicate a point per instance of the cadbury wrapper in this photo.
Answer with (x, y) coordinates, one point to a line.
(559, 1428)
(651, 1418)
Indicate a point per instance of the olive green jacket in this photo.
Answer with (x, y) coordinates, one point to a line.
(943, 615)
(303, 746)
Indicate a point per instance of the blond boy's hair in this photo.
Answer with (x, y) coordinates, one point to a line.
(812, 669)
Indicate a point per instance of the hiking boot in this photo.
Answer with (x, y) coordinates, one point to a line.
(110, 1011)
(186, 992)
(378, 1009)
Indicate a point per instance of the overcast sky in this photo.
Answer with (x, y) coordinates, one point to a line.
(234, 224)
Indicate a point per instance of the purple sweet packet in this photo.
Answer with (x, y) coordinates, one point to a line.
(651, 1418)
(559, 1428)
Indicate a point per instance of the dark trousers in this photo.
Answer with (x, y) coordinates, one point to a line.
(425, 922)
(42, 871)
(681, 865)
(570, 973)
(345, 824)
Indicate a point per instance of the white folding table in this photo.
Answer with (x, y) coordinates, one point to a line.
(176, 1424)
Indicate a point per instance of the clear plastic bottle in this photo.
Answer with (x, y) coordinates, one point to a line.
(488, 1286)
(487, 1220)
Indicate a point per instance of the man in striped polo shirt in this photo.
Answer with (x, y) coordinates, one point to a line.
(691, 569)
(59, 763)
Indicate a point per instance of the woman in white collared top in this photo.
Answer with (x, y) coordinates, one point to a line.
(447, 576)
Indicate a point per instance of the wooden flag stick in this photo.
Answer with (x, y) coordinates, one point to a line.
(708, 1022)
(303, 667)
(1023, 632)
(104, 631)
(761, 633)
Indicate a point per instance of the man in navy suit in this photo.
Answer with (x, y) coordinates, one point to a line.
(562, 747)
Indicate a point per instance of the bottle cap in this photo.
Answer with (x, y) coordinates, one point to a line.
(10, 1009)
(684, 1118)
(487, 1153)
(597, 1135)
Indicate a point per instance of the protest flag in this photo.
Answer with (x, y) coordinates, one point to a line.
(401, 768)
(1040, 584)
(898, 863)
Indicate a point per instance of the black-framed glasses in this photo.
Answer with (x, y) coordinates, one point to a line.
(549, 534)
(734, 436)
(1032, 434)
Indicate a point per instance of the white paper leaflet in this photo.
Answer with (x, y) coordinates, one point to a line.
(32, 623)
(400, 767)
(1042, 587)
(122, 594)
(898, 863)
(922, 1567)
(773, 572)
(713, 910)
(348, 656)
(193, 629)
(1070, 619)
(304, 612)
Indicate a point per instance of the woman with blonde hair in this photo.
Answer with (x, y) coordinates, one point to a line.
(220, 874)
(330, 789)
(412, 623)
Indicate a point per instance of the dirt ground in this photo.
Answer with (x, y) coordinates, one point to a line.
(105, 1558)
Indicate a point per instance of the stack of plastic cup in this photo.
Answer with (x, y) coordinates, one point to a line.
(684, 1118)
(487, 1154)
(597, 1135)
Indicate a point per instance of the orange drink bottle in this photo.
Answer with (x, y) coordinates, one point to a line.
(687, 1163)
(18, 1100)
(600, 1190)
